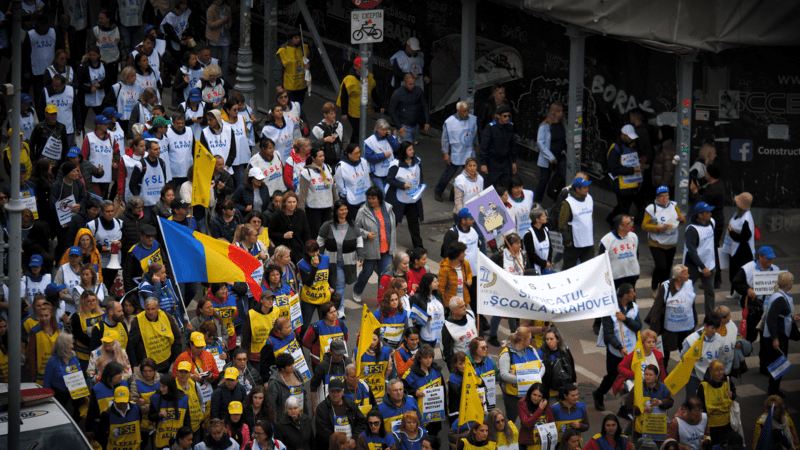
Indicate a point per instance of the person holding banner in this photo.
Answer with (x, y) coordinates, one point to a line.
(658, 400)
(534, 410)
(485, 367)
(424, 381)
(427, 311)
(337, 414)
(779, 327)
(610, 437)
(520, 367)
(536, 242)
(618, 335)
(63, 375)
(359, 391)
(406, 185)
(393, 318)
(409, 433)
(674, 315)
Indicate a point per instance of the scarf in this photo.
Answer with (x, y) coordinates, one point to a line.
(325, 180)
(783, 428)
(221, 444)
(217, 115)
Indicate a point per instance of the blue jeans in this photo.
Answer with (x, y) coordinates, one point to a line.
(449, 171)
(513, 323)
(377, 181)
(222, 53)
(238, 173)
(544, 178)
(130, 35)
(411, 133)
(371, 265)
(340, 285)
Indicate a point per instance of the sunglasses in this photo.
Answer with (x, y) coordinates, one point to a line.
(374, 424)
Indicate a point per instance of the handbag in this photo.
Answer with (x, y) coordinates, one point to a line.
(743, 325)
(736, 418)
(757, 233)
(554, 186)
(794, 334)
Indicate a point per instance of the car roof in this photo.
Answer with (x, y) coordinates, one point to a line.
(43, 415)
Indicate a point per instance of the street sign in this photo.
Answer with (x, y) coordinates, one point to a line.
(366, 4)
(366, 27)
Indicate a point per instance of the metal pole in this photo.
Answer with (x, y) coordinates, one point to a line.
(244, 65)
(684, 141)
(577, 44)
(365, 49)
(14, 208)
(270, 38)
(468, 13)
(326, 61)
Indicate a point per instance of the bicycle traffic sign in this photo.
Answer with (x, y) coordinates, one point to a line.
(366, 27)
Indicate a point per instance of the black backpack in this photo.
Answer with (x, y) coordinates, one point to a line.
(563, 373)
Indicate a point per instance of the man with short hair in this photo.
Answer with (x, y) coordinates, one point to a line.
(180, 214)
(204, 56)
(698, 251)
(106, 230)
(223, 181)
(148, 47)
(689, 427)
(623, 251)
(575, 221)
(159, 132)
(712, 348)
(114, 319)
(358, 390)
(459, 142)
(408, 108)
(149, 177)
(268, 162)
(140, 256)
(38, 48)
(332, 367)
(64, 98)
(410, 60)
(395, 404)
(228, 391)
(49, 138)
(338, 414)
(624, 190)
(181, 150)
(713, 194)
(498, 158)
(459, 329)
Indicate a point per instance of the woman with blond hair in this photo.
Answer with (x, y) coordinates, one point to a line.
(517, 354)
(84, 319)
(697, 173)
(126, 94)
(110, 351)
(552, 142)
(739, 240)
(142, 112)
(211, 85)
(246, 237)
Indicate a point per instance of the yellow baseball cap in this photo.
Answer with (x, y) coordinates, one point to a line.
(122, 394)
(10, 131)
(235, 408)
(197, 339)
(231, 373)
(51, 109)
(185, 365)
(110, 336)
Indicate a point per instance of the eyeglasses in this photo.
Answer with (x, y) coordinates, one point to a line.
(258, 433)
(374, 424)
(500, 421)
(3, 197)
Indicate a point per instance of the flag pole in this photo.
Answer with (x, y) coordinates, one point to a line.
(177, 292)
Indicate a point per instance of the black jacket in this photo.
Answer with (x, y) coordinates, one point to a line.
(243, 197)
(498, 144)
(451, 237)
(281, 223)
(297, 436)
(323, 420)
(714, 195)
(225, 230)
(326, 367)
(408, 107)
(41, 132)
(131, 230)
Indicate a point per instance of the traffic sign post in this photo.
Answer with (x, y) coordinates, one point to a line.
(366, 28)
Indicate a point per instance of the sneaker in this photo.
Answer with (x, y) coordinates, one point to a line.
(341, 315)
(356, 297)
(598, 401)
(732, 296)
(438, 196)
(493, 341)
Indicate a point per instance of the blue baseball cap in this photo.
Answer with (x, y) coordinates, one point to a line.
(580, 182)
(703, 207)
(662, 189)
(73, 152)
(75, 251)
(101, 120)
(53, 289)
(464, 213)
(25, 98)
(36, 261)
(148, 28)
(195, 95)
(766, 251)
(110, 113)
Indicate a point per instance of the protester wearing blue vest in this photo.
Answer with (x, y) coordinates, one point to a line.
(102, 394)
(140, 256)
(119, 426)
(569, 413)
(395, 404)
(358, 390)
(155, 284)
(610, 437)
(320, 335)
(393, 318)
(422, 375)
(63, 363)
(169, 411)
(375, 436)
(332, 367)
(656, 395)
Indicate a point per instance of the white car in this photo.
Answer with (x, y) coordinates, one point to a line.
(44, 422)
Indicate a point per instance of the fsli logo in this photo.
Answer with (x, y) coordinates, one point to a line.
(742, 150)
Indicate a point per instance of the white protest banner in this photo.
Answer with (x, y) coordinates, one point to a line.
(582, 292)
(631, 160)
(432, 404)
(64, 210)
(764, 282)
(548, 435)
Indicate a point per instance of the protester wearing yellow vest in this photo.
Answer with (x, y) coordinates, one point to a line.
(119, 427)
(292, 64)
(41, 339)
(198, 409)
(717, 398)
(155, 334)
(520, 368)
(169, 410)
(502, 431)
(144, 384)
(257, 326)
(114, 319)
(350, 98)
(478, 438)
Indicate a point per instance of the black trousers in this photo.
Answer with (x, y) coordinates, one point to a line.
(772, 355)
(355, 122)
(316, 217)
(663, 265)
(412, 218)
(624, 203)
(611, 373)
(572, 255)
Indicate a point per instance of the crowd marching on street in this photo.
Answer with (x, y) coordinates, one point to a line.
(229, 365)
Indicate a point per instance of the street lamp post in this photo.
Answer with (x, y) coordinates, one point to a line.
(244, 67)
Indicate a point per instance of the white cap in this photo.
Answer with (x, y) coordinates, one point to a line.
(413, 43)
(256, 173)
(630, 132)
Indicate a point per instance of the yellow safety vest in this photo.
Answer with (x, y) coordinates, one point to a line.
(718, 404)
(44, 350)
(511, 388)
(25, 156)
(260, 327)
(195, 409)
(294, 72)
(87, 322)
(157, 336)
(501, 437)
(168, 426)
(3, 367)
(319, 292)
(489, 446)
(353, 86)
(374, 374)
(146, 424)
(120, 329)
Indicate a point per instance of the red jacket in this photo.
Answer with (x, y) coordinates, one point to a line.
(288, 170)
(414, 278)
(528, 421)
(625, 372)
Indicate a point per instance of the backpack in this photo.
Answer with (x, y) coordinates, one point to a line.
(562, 373)
(555, 211)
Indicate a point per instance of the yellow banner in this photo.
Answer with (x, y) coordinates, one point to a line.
(202, 173)
(636, 365)
(470, 409)
(679, 376)
(368, 325)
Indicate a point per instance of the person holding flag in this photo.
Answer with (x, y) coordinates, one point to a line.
(699, 349)
(775, 428)
(470, 408)
(655, 397)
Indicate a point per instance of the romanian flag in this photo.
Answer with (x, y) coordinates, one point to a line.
(636, 365)
(471, 409)
(202, 173)
(197, 257)
(368, 325)
(679, 376)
